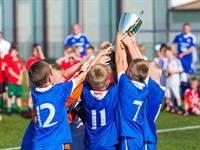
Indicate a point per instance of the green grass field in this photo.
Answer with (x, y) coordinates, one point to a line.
(13, 127)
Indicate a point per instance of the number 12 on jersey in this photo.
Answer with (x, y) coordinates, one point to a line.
(139, 104)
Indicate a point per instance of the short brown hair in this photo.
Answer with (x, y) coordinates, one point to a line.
(98, 76)
(138, 69)
(56, 67)
(39, 72)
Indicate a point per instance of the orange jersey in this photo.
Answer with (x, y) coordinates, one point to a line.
(73, 98)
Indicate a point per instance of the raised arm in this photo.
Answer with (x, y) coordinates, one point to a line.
(130, 42)
(119, 54)
(68, 72)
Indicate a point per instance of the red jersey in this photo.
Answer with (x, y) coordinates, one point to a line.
(7, 58)
(192, 97)
(30, 61)
(1, 71)
(17, 67)
(66, 65)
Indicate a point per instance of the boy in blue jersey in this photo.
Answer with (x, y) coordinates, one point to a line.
(50, 121)
(154, 103)
(132, 94)
(99, 102)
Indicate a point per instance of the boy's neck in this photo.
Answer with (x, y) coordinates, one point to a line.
(15, 58)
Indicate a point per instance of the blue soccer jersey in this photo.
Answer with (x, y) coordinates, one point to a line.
(51, 123)
(77, 40)
(131, 108)
(184, 42)
(154, 103)
(100, 128)
(27, 142)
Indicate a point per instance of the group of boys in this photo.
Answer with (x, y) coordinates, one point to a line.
(119, 115)
(11, 74)
(12, 77)
(174, 76)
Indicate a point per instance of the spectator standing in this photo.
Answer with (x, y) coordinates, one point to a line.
(184, 44)
(4, 46)
(77, 39)
(174, 68)
(161, 60)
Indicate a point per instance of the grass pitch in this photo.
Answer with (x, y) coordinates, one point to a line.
(13, 127)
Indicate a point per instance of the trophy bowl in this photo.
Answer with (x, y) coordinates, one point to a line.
(129, 22)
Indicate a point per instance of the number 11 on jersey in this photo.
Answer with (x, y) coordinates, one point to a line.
(102, 118)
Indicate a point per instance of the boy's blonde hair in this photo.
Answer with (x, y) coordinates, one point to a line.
(138, 70)
(98, 76)
(155, 72)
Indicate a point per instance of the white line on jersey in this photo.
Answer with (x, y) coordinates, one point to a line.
(178, 129)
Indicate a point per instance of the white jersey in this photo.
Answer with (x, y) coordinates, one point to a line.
(4, 48)
(173, 65)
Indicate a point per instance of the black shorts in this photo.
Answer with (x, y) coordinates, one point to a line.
(2, 87)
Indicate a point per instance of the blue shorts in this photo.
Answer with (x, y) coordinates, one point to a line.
(94, 147)
(131, 144)
(50, 147)
(149, 146)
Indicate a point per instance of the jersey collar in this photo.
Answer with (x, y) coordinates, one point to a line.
(98, 91)
(43, 88)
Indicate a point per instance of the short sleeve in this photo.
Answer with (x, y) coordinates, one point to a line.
(194, 41)
(67, 88)
(180, 67)
(85, 91)
(175, 39)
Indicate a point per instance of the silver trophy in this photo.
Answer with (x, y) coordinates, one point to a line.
(130, 22)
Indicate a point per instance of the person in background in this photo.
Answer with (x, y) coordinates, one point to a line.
(142, 49)
(37, 54)
(183, 45)
(174, 68)
(68, 60)
(15, 76)
(77, 39)
(2, 87)
(4, 53)
(4, 46)
(161, 60)
(192, 98)
(90, 52)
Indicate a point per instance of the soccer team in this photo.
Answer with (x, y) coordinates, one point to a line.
(116, 115)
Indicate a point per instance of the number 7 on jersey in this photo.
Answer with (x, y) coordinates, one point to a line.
(139, 104)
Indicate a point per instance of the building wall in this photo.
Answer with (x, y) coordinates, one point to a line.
(98, 19)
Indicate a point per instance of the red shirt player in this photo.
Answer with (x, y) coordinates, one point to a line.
(37, 54)
(192, 98)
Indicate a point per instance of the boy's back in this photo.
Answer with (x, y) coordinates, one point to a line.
(132, 97)
(51, 124)
(100, 117)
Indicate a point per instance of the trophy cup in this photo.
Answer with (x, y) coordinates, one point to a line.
(130, 22)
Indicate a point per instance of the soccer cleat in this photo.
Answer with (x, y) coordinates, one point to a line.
(9, 111)
(167, 108)
(172, 110)
(179, 112)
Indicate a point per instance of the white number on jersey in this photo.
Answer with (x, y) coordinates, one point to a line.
(139, 104)
(94, 118)
(47, 123)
